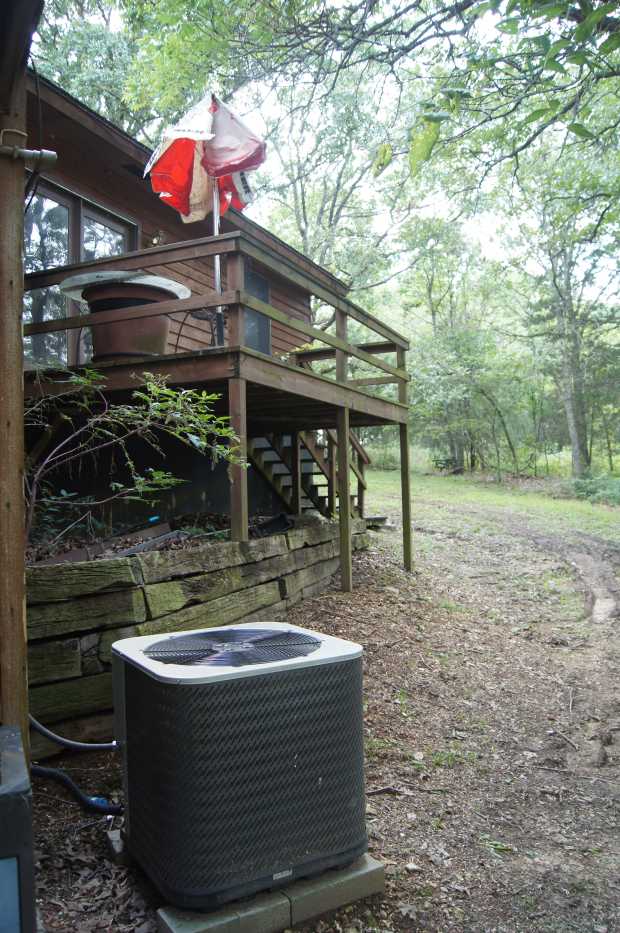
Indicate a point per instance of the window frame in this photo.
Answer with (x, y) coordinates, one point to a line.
(90, 211)
(251, 270)
(80, 208)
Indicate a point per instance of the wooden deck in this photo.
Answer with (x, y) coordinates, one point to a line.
(280, 396)
(326, 381)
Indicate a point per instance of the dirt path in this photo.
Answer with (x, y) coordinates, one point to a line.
(493, 726)
(492, 739)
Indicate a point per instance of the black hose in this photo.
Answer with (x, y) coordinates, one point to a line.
(94, 804)
(71, 743)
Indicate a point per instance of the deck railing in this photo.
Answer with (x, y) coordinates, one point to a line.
(235, 247)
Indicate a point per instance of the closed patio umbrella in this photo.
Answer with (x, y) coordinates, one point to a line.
(201, 164)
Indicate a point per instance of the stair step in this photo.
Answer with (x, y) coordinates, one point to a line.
(272, 455)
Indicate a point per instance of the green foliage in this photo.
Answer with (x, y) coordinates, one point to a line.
(384, 457)
(423, 139)
(80, 424)
(521, 65)
(83, 46)
(321, 190)
(601, 489)
(382, 159)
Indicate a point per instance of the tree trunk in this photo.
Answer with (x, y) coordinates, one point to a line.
(575, 420)
(502, 421)
(498, 456)
(457, 449)
(610, 452)
(472, 454)
(571, 366)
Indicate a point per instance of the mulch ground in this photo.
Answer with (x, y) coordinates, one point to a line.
(492, 734)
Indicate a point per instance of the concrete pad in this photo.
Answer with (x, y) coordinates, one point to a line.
(263, 913)
(275, 911)
(334, 889)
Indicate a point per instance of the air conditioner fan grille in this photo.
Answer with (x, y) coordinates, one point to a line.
(233, 648)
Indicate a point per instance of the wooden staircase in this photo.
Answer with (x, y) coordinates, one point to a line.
(310, 455)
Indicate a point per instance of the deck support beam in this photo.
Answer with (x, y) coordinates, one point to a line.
(332, 473)
(361, 489)
(344, 501)
(13, 645)
(405, 470)
(237, 406)
(406, 496)
(296, 490)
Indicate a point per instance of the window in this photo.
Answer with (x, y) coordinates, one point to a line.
(257, 325)
(102, 237)
(46, 244)
(61, 228)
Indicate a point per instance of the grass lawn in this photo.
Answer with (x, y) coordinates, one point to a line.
(431, 493)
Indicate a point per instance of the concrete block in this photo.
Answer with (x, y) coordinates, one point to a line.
(334, 889)
(263, 913)
(275, 911)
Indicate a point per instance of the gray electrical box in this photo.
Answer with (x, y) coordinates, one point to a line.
(17, 904)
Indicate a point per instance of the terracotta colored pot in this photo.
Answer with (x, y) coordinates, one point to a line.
(137, 337)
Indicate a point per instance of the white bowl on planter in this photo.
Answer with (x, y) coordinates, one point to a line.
(104, 291)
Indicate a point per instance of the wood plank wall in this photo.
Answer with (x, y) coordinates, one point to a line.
(99, 172)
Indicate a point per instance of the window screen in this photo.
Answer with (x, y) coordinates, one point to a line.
(257, 325)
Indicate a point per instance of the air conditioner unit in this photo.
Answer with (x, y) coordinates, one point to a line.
(243, 758)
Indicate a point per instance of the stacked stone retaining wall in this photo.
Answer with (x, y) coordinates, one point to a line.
(77, 610)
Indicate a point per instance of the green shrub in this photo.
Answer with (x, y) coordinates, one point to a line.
(384, 456)
(387, 457)
(605, 489)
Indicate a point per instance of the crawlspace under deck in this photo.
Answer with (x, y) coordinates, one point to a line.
(280, 397)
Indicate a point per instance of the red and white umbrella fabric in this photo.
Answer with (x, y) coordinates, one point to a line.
(210, 146)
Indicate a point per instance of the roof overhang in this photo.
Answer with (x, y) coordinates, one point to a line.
(18, 21)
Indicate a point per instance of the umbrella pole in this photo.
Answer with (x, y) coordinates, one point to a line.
(217, 267)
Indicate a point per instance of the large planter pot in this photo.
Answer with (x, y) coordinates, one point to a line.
(117, 290)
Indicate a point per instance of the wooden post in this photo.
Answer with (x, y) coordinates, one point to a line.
(360, 486)
(405, 469)
(13, 643)
(331, 479)
(406, 496)
(235, 272)
(341, 356)
(238, 472)
(296, 490)
(236, 330)
(235, 281)
(344, 500)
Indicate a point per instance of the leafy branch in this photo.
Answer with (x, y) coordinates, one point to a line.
(81, 422)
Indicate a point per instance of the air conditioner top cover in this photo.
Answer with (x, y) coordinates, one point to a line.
(244, 650)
